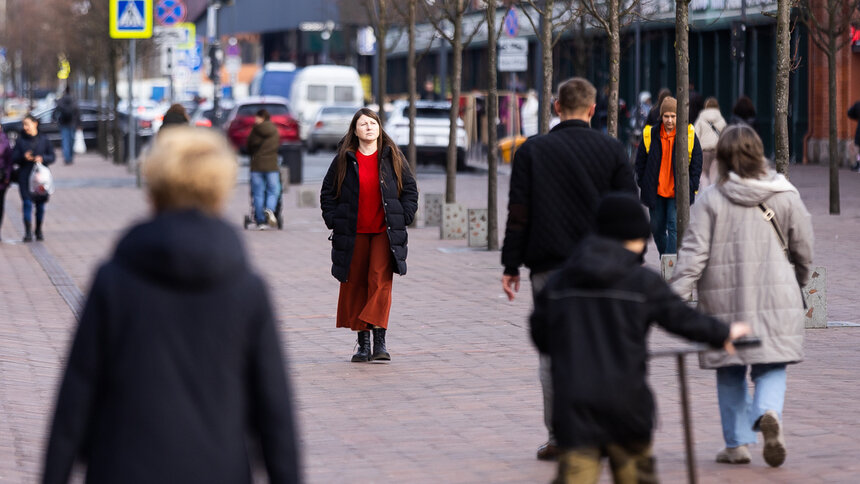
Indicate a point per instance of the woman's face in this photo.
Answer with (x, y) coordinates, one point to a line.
(30, 127)
(366, 129)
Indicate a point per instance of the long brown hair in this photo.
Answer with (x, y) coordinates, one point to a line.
(740, 150)
(349, 144)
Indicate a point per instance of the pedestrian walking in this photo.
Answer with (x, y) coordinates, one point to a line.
(368, 197)
(31, 149)
(176, 361)
(69, 118)
(708, 127)
(654, 116)
(748, 251)
(176, 115)
(263, 143)
(5, 170)
(592, 320)
(556, 183)
(655, 174)
(854, 113)
(743, 112)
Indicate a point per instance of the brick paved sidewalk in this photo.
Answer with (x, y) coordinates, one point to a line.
(460, 401)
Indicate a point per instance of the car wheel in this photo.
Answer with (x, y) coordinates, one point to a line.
(312, 148)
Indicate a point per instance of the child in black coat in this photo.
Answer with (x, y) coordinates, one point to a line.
(593, 318)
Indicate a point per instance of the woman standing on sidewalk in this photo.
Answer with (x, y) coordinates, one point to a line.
(708, 127)
(5, 170)
(368, 198)
(31, 149)
(748, 250)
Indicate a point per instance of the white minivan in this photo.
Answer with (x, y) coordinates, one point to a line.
(317, 86)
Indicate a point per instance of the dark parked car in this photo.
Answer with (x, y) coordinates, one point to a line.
(49, 126)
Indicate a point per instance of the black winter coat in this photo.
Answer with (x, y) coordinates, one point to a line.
(648, 167)
(40, 145)
(592, 318)
(341, 213)
(556, 183)
(176, 361)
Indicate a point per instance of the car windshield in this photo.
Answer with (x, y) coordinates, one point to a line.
(338, 111)
(273, 109)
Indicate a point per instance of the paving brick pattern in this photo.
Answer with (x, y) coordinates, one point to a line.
(460, 401)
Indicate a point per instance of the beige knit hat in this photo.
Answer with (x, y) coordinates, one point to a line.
(670, 105)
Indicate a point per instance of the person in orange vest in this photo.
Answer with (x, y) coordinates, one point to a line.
(655, 174)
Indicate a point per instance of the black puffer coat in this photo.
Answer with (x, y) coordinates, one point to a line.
(341, 213)
(592, 318)
(39, 145)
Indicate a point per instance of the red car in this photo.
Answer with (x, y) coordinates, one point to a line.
(241, 119)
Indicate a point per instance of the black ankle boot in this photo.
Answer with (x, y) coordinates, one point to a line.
(28, 232)
(39, 235)
(363, 353)
(379, 352)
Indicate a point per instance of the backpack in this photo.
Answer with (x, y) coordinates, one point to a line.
(66, 110)
(691, 139)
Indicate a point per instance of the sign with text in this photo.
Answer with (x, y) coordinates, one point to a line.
(513, 54)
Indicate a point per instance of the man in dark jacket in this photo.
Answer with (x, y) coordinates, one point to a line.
(176, 361)
(263, 144)
(68, 117)
(592, 319)
(655, 174)
(556, 183)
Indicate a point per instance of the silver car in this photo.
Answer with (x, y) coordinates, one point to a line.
(330, 124)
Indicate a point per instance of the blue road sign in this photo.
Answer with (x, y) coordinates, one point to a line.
(512, 23)
(131, 19)
(170, 12)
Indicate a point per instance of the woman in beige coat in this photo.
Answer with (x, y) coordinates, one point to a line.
(708, 127)
(732, 254)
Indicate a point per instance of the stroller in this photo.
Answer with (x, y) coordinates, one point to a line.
(249, 218)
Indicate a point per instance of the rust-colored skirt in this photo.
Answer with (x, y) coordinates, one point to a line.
(365, 299)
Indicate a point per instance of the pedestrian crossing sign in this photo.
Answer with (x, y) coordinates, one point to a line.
(130, 19)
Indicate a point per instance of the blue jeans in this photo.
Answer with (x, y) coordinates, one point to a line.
(67, 132)
(27, 208)
(265, 189)
(739, 411)
(664, 225)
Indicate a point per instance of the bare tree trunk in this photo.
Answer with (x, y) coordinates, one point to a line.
(492, 113)
(546, 51)
(412, 150)
(118, 138)
(834, 147)
(614, 68)
(783, 69)
(682, 173)
(456, 77)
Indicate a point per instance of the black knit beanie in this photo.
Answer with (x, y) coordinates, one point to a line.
(622, 217)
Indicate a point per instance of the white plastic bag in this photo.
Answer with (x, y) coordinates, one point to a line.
(80, 146)
(41, 182)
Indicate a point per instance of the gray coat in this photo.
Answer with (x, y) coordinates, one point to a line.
(733, 257)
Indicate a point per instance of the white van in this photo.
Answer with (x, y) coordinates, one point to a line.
(317, 86)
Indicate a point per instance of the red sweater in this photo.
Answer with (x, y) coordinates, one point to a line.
(371, 217)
